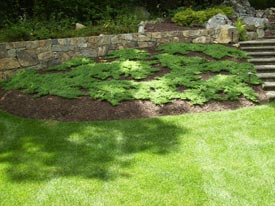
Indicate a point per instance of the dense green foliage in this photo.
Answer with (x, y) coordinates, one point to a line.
(60, 28)
(71, 63)
(130, 54)
(216, 51)
(56, 19)
(107, 81)
(31, 20)
(86, 10)
(190, 17)
(224, 158)
(262, 4)
(241, 28)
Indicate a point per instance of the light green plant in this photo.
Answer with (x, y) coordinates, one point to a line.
(190, 17)
(71, 63)
(241, 29)
(216, 51)
(130, 54)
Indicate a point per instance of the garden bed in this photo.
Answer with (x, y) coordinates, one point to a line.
(87, 109)
(173, 79)
(167, 26)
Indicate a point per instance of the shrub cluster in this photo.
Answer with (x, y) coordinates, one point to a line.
(190, 17)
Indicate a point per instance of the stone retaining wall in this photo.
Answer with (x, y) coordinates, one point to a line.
(43, 53)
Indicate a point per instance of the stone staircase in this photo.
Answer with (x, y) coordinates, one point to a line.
(262, 52)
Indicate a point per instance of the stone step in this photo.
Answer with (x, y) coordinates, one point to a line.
(266, 75)
(261, 53)
(269, 85)
(258, 42)
(261, 60)
(265, 67)
(270, 95)
(262, 48)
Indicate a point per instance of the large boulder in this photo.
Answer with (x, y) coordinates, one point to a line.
(260, 33)
(252, 35)
(227, 34)
(241, 8)
(224, 31)
(79, 26)
(218, 20)
(254, 23)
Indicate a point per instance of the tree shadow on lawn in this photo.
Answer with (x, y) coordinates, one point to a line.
(40, 150)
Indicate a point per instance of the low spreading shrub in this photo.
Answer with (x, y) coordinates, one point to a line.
(125, 77)
(190, 17)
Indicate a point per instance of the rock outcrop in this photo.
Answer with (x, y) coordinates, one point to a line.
(241, 8)
(224, 31)
(218, 20)
(227, 34)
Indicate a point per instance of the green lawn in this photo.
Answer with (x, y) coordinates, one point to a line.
(215, 159)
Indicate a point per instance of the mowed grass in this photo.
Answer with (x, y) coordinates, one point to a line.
(224, 158)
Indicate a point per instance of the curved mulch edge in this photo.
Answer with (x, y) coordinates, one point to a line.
(87, 109)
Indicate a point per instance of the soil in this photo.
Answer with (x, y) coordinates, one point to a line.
(167, 26)
(86, 109)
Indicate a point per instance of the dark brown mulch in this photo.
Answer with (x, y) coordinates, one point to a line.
(87, 109)
(160, 73)
(167, 26)
(207, 75)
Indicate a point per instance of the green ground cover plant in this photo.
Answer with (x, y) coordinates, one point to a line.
(216, 51)
(128, 54)
(124, 78)
(190, 17)
(71, 63)
(224, 158)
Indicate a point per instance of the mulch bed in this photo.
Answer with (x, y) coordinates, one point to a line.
(86, 109)
(167, 26)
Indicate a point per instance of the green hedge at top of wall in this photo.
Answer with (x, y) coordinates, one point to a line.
(190, 17)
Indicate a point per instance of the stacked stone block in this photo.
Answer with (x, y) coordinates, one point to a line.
(44, 53)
